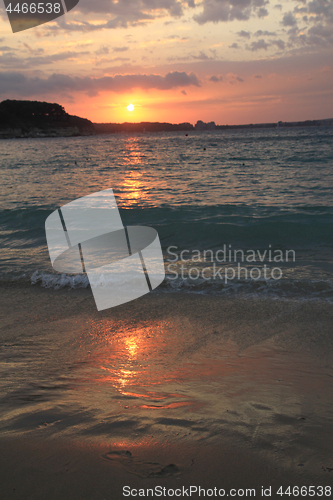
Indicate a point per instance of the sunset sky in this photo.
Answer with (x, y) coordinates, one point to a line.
(231, 61)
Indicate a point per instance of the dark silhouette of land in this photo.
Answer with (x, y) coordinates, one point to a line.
(114, 128)
(23, 119)
(40, 119)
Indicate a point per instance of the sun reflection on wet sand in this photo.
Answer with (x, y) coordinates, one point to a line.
(176, 371)
(152, 368)
(167, 379)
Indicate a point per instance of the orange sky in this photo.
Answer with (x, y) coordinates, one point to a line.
(230, 61)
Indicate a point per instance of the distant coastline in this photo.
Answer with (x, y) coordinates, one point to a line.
(35, 119)
(114, 128)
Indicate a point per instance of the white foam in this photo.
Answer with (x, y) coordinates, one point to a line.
(59, 280)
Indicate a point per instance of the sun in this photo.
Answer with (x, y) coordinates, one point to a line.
(130, 107)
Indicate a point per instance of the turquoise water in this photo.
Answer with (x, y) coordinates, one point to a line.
(258, 190)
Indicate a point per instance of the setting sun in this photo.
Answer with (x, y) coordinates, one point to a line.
(130, 107)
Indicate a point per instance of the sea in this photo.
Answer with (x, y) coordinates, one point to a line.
(265, 194)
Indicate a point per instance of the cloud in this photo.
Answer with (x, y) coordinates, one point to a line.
(321, 10)
(244, 34)
(322, 31)
(5, 48)
(317, 36)
(263, 45)
(300, 10)
(202, 57)
(117, 14)
(18, 83)
(234, 78)
(289, 19)
(10, 60)
(120, 49)
(102, 51)
(279, 43)
(262, 12)
(122, 7)
(183, 92)
(215, 79)
(264, 33)
(234, 46)
(126, 13)
(320, 35)
(33, 51)
(111, 60)
(229, 10)
(259, 45)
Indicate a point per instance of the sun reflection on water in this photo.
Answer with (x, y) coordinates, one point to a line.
(134, 185)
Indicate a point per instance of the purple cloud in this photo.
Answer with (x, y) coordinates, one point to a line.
(20, 84)
(228, 10)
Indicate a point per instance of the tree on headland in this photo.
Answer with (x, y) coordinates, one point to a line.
(28, 115)
(31, 110)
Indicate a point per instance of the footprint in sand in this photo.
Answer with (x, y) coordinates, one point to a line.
(140, 468)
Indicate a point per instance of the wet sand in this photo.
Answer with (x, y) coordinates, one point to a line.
(234, 393)
(65, 469)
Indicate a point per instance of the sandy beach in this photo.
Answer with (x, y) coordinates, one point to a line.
(172, 390)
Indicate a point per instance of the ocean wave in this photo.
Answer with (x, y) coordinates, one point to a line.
(283, 289)
(57, 281)
(275, 289)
